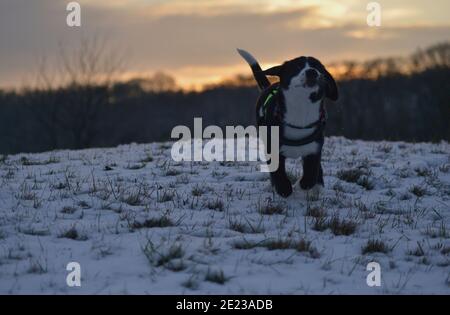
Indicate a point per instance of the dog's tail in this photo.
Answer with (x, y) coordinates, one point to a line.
(259, 75)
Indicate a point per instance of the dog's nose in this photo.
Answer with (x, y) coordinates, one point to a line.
(311, 74)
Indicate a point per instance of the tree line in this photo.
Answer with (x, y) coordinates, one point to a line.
(384, 99)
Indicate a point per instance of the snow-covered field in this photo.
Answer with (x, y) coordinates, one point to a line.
(137, 222)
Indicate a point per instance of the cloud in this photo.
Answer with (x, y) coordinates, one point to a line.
(197, 39)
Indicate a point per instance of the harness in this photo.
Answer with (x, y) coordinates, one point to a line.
(319, 124)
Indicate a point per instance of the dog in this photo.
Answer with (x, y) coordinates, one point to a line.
(296, 105)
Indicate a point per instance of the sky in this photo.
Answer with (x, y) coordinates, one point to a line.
(195, 40)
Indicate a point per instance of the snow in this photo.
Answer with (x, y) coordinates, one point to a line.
(138, 222)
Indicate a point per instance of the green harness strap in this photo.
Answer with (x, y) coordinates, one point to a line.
(269, 98)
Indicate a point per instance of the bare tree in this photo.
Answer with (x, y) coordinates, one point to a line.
(436, 56)
(160, 82)
(40, 97)
(75, 89)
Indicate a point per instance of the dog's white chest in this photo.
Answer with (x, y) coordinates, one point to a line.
(300, 111)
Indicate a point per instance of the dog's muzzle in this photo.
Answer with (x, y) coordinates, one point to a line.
(311, 76)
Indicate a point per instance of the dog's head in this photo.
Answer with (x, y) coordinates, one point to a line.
(305, 73)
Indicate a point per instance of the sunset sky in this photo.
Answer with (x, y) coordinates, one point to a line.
(195, 40)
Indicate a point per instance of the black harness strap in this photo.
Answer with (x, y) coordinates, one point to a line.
(312, 125)
(316, 135)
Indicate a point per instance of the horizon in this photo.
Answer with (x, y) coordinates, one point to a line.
(196, 40)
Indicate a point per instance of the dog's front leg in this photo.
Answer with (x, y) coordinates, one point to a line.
(280, 180)
(320, 178)
(311, 171)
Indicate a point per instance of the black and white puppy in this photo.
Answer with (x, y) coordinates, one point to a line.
(296, 105)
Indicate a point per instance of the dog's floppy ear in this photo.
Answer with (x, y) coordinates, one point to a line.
(331, 90)
(274, 71)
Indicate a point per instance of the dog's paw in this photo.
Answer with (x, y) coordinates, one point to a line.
(284, 189)
(306, 185)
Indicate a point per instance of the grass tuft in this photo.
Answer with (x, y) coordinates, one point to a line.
(271, 208)
(172, 172)
(136, 166)
(342, 227)
(418, 252)
(320, 224)
(375, 246)
(351, 175)
(158, 256)
(445, 250)
(216, 277)
(418, 191)
(68, 210)
(301, 245)
(216, 204)
(73, 234)
(27, 162)
(161, 222)
(335, 224)
(198, 191)
(316, 212)
(191, 283)
(165, 195)
(133, 199)
(366, 183)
